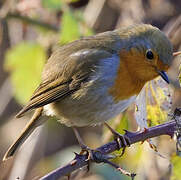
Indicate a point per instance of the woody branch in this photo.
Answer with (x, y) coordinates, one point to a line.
(168, 128)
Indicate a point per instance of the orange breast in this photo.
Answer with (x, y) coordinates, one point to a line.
(126, 85)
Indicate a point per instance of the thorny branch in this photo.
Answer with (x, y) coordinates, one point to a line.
(168, 128)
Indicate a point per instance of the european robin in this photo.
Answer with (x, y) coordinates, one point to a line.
(93, 79)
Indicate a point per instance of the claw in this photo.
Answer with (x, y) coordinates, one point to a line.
(121, 140)
(123, 151)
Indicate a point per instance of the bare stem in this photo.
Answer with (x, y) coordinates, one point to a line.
(29, 20)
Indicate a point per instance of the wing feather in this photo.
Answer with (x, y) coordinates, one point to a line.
(74, 72)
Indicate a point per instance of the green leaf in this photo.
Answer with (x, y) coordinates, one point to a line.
(25, 62)
(52, 4)
(176, 175)
(123, 124)
(69, 28)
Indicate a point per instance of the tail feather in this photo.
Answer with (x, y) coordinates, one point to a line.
(34, 122)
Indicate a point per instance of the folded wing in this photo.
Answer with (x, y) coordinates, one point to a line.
(74, 71)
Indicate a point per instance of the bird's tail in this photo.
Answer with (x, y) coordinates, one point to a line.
(34, 122)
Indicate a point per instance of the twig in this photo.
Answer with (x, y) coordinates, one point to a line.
(171, 27)
(81, 160)
(29, 20)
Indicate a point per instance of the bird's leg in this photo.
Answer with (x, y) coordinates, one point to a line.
(84, 148)
(122, 140)
(92, 154)
(99, 157)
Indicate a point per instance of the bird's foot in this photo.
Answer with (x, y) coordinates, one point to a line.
(92, 155)
(122, 141)
(98, 156)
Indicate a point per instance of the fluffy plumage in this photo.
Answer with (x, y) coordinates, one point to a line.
(93, 79)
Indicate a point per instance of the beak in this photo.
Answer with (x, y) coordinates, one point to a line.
(163, 75)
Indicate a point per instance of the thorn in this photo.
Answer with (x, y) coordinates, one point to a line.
(73, 162)
(128, 133)
(152, 146)
(77, 155)
(145, 130)
(171, 134)
(68, 176)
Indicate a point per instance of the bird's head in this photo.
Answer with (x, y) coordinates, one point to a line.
(146, 51)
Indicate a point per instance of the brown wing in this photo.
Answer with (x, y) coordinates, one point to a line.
(74, 72)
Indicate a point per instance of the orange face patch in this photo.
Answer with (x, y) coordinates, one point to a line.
(133, 72)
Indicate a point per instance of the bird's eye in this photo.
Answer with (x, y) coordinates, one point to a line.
(149, 54)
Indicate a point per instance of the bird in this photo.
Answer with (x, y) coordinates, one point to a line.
(91, 80)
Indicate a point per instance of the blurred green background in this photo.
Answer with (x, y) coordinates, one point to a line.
(29, 31)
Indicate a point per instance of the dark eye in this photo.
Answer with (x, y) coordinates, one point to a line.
(149, 54)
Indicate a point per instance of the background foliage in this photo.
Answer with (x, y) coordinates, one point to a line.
(29, 31)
